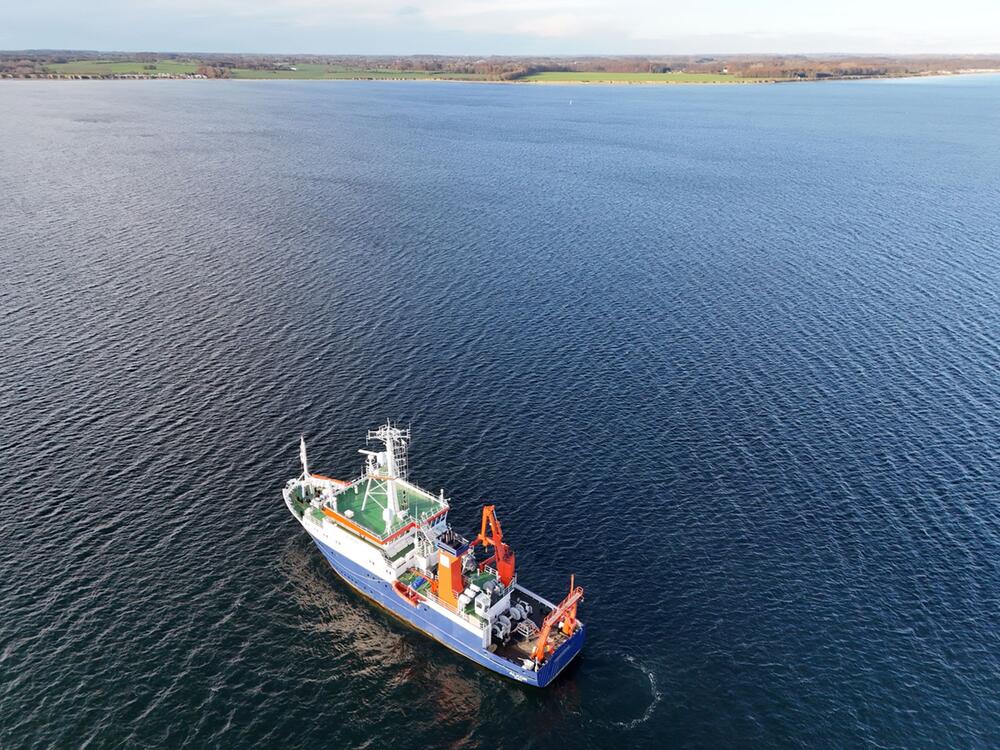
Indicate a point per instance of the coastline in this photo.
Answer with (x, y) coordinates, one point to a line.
(743, 81)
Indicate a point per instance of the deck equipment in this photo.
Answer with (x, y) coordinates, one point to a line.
(564, 615)
(503, 555)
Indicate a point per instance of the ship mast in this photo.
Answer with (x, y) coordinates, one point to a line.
(302, 456)
(391, 462)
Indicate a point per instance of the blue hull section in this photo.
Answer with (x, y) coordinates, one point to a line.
(443, 629)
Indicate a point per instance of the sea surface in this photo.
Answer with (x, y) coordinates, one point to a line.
(728, 354)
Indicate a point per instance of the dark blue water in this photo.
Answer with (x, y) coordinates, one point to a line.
(731, 355)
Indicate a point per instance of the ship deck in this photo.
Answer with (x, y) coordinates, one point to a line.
(368, 514)
(420, 582)
(519, 648)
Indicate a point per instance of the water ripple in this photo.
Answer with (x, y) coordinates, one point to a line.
(729, 355)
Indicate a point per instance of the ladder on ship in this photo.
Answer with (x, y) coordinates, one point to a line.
(400, 456)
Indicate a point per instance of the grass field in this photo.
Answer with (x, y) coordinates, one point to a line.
(331, 72)
(600, 77)
(303, 71)
(104, 67)
(318, 71)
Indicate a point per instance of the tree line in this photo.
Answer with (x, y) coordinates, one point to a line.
(29, 63)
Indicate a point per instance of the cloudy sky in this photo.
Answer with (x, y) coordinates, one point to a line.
(484, 27)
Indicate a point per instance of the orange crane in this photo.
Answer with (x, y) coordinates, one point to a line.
(503, 555)
(564, 611)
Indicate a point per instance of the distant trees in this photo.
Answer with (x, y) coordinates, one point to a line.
(503, 68)
(210, 71)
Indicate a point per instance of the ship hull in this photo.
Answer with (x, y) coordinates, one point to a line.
(444, 630)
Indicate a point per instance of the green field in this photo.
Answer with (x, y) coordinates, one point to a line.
(106, 67)
(319, 71)
(601, 77)
(332, 72)
(304, 71)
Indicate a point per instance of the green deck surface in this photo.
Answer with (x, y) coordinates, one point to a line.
(368, 514)
(409, 576)
(479, 579)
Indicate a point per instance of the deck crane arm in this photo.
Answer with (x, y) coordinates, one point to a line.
(503, 554)
(490, 520)
(564, 611)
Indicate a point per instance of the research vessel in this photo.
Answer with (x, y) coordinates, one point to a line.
(391, 541)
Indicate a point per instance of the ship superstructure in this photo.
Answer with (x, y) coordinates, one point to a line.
(391, 540)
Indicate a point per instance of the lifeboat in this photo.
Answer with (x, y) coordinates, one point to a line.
(407, 594)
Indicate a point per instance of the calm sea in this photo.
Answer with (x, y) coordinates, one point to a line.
(731, 355)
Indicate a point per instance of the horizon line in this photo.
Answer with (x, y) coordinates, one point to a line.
(498, 54)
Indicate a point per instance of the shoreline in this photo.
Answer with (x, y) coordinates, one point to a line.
(429, 79)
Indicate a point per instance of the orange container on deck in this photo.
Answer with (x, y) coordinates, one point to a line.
(450, 580)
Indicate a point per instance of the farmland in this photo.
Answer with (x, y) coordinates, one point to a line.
(666, 69)
(297, 71)
(587, 76)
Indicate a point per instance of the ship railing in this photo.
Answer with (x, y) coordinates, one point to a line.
(452, 608)
(401, 523)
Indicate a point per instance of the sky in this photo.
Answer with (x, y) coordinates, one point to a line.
(503, 27)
